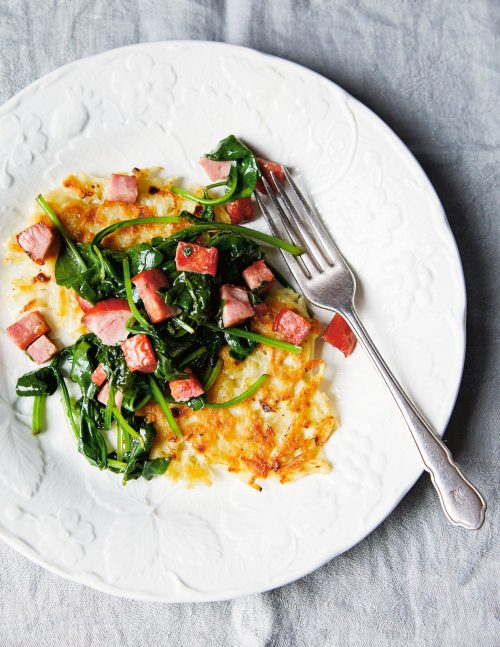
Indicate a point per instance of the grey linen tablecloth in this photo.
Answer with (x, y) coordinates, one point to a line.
(431, 69)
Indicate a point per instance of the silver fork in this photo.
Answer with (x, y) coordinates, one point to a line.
(328, 282)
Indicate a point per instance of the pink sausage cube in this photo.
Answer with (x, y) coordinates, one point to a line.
(98, 376)
(122, 188)
(292, 326)
(107, 320)
(103, 395)
(182, 390)
(259, 277)
(39, 242)
(240, 210)
(190, 257)
(42, 350)
(237, 307)
(139, 353)
(28, 329)
(148, 283)
(83, 303)
(214, 169)
(267, 167)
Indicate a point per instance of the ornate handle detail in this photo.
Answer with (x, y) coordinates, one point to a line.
(462, 503)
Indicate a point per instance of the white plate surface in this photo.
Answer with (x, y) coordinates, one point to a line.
(166, 104)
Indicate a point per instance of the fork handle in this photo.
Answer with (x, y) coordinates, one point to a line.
(462, 503)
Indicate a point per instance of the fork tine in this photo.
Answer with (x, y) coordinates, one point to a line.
(317, 250)
(312, 218)
(299, 271)
(292, 229)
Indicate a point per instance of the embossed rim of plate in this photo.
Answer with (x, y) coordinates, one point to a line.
(98, 584)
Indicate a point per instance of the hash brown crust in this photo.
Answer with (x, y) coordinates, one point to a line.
(277, 433)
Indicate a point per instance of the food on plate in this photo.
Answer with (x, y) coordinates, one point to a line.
(28, 329)
(41, 350)
(240, 210)
(339, 334)
(268, 168)
(292, 327)
(181, 347)
(39, 241)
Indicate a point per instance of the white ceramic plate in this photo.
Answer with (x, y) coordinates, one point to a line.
(166, 104)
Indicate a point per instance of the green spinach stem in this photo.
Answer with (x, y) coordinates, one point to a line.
(128, 292)
(37, 415)
(68, 410)
(231, 188)
(118, 465)
(253, 336)
(162, 403)
(213, 375)
(184, 325)
(216, 184)
(102, 268)
(159, 220)
(193, 355)
(239, 398)
(119, 442)
(127, 441)
(58, 225)
(130, 430)
(108, 413)
(295, 250)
